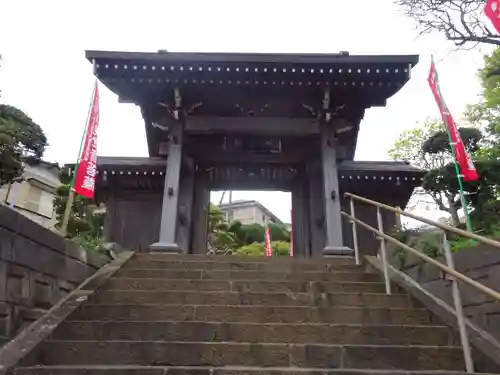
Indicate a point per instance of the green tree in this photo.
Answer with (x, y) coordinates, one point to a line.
(86, 222)
(236, 228)
(427, 147)
(252, 233)
(480, 194)
(280, 248)
(486, 113)
(220, 240)
(256, 249)
(236, 238)
(408, 146)
(20, 137)
(441, 182)
(460, 21)
(279, 232)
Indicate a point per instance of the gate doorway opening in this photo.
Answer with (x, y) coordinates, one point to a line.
(239, 220)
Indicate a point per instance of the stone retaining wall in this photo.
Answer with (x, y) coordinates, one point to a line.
(481, 263)
(37, 268)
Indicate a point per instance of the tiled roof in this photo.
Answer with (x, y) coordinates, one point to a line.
(388, 166)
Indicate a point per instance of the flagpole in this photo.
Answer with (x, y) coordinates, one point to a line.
(71, 195)
(457, 169)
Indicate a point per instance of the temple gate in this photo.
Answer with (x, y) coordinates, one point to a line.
(248, 121)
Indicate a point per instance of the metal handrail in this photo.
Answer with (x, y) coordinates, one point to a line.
(460, 276)
(448, 269)
(444, 227)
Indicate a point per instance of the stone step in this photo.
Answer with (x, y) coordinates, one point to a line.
(246, 354)
(240, 266)
(154, 257)
(301, 333)
(253, 314)
(355, 276)
(227, 370)
(379, 300)
(243, 285)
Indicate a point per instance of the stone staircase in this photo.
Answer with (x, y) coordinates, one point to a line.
(189, 315)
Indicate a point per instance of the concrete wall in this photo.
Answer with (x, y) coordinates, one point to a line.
(251, 214)
(34, 197)
(42, 211)
(37, 268)
(246, 215)
(481, 263)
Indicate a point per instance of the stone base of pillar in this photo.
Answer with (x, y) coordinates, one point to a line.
(337, 250)
(165, 247)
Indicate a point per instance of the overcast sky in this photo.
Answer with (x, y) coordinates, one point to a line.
(45, 72)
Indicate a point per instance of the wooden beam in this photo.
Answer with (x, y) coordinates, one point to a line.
(251, 125)
(260, 185)
(218, 149)
(219, 157)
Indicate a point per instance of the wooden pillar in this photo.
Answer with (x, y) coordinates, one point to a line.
(300, 212)
(298, 239)
(316, 209)
(185, 213)
(201, 206)
(169, 212)
(333, 220)
(109, 217)
(306, 217)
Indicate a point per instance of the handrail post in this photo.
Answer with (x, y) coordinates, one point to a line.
(398, 219)
(457, 300)
(383, 252)
(447, 228)
(354, 233)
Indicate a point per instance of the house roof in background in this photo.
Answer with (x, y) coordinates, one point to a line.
(31, 160)
(32, 172)
(249, 203)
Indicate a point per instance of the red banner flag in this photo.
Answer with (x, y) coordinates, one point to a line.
(463, 159)
(291, 234)
(86, 171)
(269, 248)
(492, 11)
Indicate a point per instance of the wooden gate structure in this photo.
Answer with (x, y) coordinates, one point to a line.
(285, 122)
